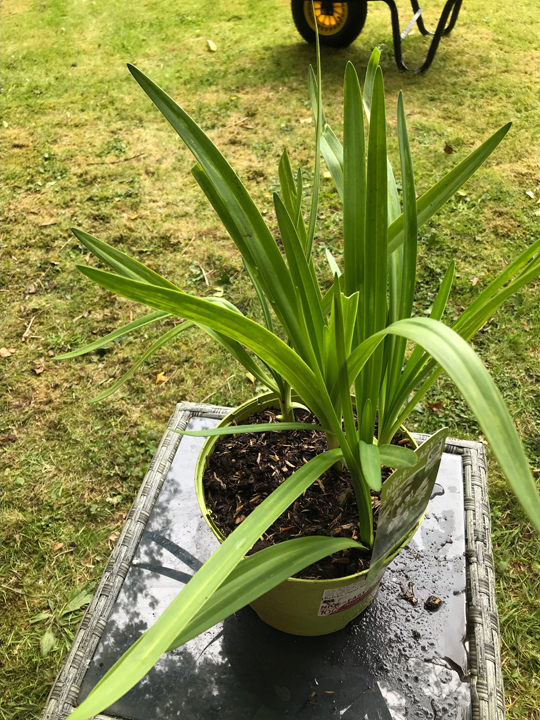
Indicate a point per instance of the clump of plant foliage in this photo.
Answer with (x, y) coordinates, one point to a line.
(354, 335)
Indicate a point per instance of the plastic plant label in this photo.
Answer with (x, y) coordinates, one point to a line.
(404, 499)
(338, 599)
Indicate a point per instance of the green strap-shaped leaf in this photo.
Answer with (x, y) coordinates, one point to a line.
(258, 339)
(287, 184)
(404, 260)
(418, 358)
(485, 300)
(297, 216)
(396, 456)
(371, 69)
(350, 313)
(371, 464)
(265, 292)
(255, 428)
(410, 220)
(256, 575)
(130, 327)
(354, 183)
(160, 342)
(120, 262)
(307, 382)
(243, 220)
(262, 299)
(374, 307)
(138, 660)
(341, 358)
(474, 382)
(332, 149)
(319, 124)
(437, 196)
(392, 349)
(470, 321)
(367, 422)
(334, 267)
(304, 284)
(358, 475)
(313, 89)
(278, 380)
(239, 353)
(375, 269)
(467, 330)
(332, 152)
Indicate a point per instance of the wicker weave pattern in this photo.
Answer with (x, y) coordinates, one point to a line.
(487, 688)
(65, 690)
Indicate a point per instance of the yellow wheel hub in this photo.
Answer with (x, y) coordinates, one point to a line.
(331, 16)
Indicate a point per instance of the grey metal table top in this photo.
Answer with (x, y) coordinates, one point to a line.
(396, 661)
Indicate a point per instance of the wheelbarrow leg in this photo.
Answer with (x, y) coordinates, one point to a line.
(452, 6)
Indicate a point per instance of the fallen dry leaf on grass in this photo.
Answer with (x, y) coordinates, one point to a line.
(38, 369)
(448, 149)
(58, 546)
(211, 45)
(436, 407)
(474, 280)
(6, 352)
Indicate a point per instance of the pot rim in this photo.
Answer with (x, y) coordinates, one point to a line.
(265, 400)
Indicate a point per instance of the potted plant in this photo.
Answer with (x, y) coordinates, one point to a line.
(354, 335)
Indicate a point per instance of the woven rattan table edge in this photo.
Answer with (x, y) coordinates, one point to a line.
(487, 689)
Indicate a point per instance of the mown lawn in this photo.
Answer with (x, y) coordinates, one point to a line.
(82, 146)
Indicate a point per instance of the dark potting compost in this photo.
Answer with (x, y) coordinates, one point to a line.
(396, 660)
(245, 468)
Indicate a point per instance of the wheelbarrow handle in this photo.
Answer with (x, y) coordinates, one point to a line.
(448, 29)
(452, 6)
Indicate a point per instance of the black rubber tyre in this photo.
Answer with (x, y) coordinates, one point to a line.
(339, 23)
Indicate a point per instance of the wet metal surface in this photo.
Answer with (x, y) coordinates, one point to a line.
(396, 662)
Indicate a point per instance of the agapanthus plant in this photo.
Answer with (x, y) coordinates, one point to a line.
(345, 354)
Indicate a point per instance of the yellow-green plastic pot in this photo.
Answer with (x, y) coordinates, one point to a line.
(297, 606)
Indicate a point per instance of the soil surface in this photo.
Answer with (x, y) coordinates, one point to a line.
(244, 469)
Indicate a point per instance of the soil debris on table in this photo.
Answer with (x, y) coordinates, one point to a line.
(245, 468)
(433, 603)
(409, 595)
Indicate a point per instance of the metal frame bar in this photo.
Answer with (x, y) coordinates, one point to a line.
(450, 10)
(446, 24)
(487, 690)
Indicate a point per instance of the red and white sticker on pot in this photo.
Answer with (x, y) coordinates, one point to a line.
(338, 599)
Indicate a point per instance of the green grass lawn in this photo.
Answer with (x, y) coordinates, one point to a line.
(83, 146)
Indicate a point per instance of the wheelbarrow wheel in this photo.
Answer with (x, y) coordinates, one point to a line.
(339, 23)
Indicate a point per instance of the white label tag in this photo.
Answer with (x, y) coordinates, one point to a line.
(339, 599)
(405, 496)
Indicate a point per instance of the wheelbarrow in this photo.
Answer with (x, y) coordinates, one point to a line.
(340, 23)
